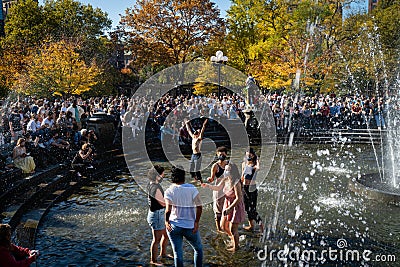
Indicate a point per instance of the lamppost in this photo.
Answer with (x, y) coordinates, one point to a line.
(219, 58)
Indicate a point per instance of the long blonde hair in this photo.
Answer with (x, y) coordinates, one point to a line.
(20, 140)
(234, 175)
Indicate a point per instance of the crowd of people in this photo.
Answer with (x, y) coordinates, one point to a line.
(46, 131)
(34, 118)
(39, 128)
(41, 132)
(293, 113)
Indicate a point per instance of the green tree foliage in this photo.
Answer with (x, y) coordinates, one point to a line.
(72, 19)
(24, 24)
(388, 24)
(368, 51)
(83, 24)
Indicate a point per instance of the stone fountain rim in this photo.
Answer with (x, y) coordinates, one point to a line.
(362, 187)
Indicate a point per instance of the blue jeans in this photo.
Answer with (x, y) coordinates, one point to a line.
(380, 121)
(195, 166)
(176, 239)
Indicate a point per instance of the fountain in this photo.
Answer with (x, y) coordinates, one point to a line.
(304, 199)
(383, 185)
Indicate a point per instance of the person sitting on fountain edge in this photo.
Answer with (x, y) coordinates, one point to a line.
(195, 161)
(12, 255)
(83, 160)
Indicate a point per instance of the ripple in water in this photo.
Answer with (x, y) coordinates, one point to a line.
(105, 225)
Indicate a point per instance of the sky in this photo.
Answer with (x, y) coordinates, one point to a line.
(116, 7)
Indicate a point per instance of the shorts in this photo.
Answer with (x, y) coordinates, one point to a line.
(156, 219)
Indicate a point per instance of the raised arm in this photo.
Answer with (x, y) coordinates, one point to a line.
(257, 166)
(203, 128)
(83, 155)
(186, 121)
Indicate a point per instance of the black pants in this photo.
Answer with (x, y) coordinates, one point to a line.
(250, 203)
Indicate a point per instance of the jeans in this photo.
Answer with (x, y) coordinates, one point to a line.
(195, 166)
(176, 239)
(380, 121)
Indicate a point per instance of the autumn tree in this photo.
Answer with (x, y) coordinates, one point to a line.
(30, 26)
(276, 39)
(259, 40)
(57, 69)
(201, 86)
(10, 62)
(161, 33)
(23, 32)
(366, 48)
(72, 20)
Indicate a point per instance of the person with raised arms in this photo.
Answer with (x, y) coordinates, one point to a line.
(197, 139)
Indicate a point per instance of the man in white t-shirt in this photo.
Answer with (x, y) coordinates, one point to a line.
(182, 216)
(48, 120)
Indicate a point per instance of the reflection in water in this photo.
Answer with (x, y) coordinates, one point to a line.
(105, 223)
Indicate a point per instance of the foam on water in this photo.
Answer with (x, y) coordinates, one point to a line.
(337, 170)
(334, 201)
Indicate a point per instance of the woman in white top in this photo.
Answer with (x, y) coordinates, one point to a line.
(250, 193)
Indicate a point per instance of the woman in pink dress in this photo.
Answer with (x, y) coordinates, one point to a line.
(233, 211)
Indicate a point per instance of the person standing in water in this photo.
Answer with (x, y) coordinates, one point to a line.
(197, 139)
(233, 210)
(250, 193)
(156, 214)
(217, 171)
(182, 217)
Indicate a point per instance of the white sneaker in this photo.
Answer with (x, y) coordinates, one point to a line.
(41, 145)
(79, 174)
(90, 167)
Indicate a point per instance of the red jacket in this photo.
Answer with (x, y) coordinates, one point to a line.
(7, 258)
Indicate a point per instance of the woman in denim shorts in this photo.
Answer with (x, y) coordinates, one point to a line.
(155, 216)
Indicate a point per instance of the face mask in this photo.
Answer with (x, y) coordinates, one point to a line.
(249, 158)
(227, 173)
(222, 157)
(160, 179)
